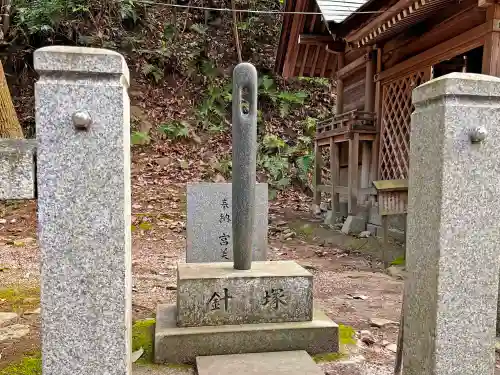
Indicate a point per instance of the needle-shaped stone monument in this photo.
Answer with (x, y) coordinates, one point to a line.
(248, 307)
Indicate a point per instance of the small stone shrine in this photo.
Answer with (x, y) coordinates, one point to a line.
(209, 237)
(250, 307)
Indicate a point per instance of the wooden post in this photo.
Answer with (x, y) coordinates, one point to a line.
(339, 108)
(317, 174)
(385, 228)
(353, 171)
(369, 107)
(335, 173)
(491, 53)
(365, 168)
(378, 105)
(370, 83)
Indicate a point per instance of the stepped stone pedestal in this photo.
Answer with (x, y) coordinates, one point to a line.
(221, 310)
(216, 294)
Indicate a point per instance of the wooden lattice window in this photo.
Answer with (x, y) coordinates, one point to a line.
(395, 124)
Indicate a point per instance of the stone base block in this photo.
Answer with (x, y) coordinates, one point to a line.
(354, 225)
(378, 231)
(17, 169)
(183, 344)
(217, 294)
(296, 362)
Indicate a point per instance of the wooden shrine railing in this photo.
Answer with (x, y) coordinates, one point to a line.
(352, 127)
(346, 123)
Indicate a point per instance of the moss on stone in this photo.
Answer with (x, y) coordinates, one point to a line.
(20, 298)
(399, 261)
(30, 365)
(328, 357)
(346, 338)
(142, 337)
(346, 335)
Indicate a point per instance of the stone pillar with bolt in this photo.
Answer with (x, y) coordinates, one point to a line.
(453, 236)
(83, 175)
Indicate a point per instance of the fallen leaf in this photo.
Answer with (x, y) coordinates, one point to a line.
(380, 323)
(137, 354)
(184, 164)
(392, 347)
(145, 225)
(357, 296)
(17, 243)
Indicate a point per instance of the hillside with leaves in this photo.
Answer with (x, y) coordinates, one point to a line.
(181, 60)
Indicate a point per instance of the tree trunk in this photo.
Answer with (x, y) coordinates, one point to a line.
(9, 124)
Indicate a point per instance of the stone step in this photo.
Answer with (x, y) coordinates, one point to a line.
(183, 344)
(296, 362)
(216, 294)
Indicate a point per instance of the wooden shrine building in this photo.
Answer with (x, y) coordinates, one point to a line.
(377, 51)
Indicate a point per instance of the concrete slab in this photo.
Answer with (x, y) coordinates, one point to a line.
(149, 369)
(183, 344)
(217, 294)
(277, 363)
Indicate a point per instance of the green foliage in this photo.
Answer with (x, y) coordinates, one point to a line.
(152, 71)
(59, 16)
(128, 10)
(169, 31)
(211, 113)
(48, 15)
(139, 138)
(316, 81)
(199, 28)
(272, 143)
(175, 129)
(290, 99)
(20, 298)
(283, 163)
(310, 126)
(304, 166)
(277, 169)
(31, 365)
(224, 166)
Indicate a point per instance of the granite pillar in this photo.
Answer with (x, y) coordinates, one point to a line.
(453, 234)
(83, 176)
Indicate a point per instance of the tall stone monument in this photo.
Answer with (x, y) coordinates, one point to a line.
(453, 235)
(248, 307)
(83, 174)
